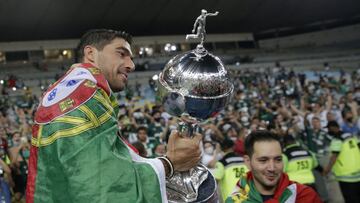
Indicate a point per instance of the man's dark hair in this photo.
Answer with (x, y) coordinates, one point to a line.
(315, 118)
(99, 38)
(226, 144)
(141, 148)
(142, 128)
(155, 112)
(259, 136)
(333, 124)
(289, 139)
(345, 111)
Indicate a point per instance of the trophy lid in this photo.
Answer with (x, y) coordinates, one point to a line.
(197, 75)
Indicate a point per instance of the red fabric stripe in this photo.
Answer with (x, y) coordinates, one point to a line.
(100, 78)
(31, 178)
(128, 144)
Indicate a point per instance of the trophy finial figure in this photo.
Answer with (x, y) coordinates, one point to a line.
(200, 24)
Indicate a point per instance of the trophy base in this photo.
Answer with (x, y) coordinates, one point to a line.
(207, 192)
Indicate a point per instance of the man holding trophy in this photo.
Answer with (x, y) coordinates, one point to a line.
(77, 152)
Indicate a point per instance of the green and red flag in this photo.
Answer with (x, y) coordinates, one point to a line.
(76, 154)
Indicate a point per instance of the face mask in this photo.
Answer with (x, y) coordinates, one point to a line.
(350, 120)
(138, 115)
(332, 133)
(219, 156)
(172, 127)
(209, 150)
(26, 153)
(16, 143)
(157, 119)
(244, 119)
(242, 97)
(159, 154)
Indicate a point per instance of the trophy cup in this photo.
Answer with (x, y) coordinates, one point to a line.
(194, 86)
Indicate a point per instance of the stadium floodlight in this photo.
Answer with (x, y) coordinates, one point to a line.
(170, 47)
(167, 47)
(2, 82)
(14, 89)
(146, 51)
(155, 77)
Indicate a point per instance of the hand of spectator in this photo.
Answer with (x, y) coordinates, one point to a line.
(172, 121)
(217, 148)
(212, 127)
(326, 171)
(183, 152)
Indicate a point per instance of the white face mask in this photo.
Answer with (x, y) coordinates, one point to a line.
(244, 119)
(219, 156)
(159, 154)
(209, 150)
(172, 127)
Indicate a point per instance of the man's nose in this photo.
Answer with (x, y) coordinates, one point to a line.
(271, 165)
(129, 64)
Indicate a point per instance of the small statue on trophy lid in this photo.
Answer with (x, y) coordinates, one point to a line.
(201, 23)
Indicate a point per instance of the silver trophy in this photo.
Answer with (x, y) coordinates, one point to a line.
(194, 86)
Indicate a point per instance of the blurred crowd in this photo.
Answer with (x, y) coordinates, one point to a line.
(279, 100)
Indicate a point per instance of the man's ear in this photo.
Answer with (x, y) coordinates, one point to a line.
(90, 54)
(247, 161)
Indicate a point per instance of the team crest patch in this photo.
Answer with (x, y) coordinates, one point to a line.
(67, 104)
(94, 71)
(90, 84)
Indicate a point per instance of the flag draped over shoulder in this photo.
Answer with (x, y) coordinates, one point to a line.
(285, 192)
(76, 155)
